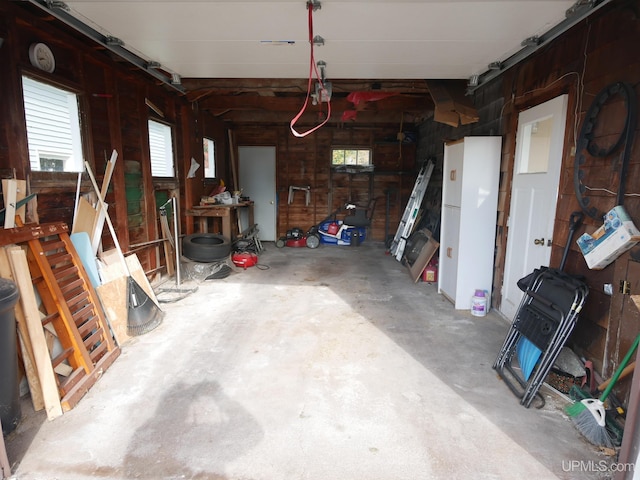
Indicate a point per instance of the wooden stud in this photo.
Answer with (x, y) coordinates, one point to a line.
(20, 270)
(9, 194)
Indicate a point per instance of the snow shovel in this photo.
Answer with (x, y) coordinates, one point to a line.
(143, 315)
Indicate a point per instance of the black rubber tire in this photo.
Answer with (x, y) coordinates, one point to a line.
(280, 243)
(205, 247)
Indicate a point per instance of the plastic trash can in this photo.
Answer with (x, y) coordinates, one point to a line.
(10, 412)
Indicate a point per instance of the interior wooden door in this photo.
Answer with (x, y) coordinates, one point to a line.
(534, 192)
(257, 172)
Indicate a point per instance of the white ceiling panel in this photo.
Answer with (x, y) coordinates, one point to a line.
(363, 39)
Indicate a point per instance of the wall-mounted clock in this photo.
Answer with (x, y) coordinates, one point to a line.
(42, 57)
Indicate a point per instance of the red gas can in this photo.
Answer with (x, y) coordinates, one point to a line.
(430, 273)
(333, 228)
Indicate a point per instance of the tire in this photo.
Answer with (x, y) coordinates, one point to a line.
(280, 243)
(205, 247)
(313, 240)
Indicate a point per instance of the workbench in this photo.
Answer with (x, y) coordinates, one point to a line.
(225, 213)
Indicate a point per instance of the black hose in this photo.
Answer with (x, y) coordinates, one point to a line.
(586, 142)
(575, 220)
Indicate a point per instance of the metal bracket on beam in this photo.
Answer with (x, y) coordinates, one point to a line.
(58, 4)
(531, 41)
(578, 6)
(315, 4)
(579, 11)
(61, 12)
(114, 41)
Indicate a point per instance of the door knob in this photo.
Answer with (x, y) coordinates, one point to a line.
(538, 241)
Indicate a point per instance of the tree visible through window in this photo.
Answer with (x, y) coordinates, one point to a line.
(53, 127)
(348, 156)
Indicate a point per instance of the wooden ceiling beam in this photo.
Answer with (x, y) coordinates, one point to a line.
(289, 104)
(264, 117)
(199, 88)
(256, 101)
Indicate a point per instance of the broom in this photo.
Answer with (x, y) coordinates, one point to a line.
(588, 415)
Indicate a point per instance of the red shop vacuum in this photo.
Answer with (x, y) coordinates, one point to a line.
(244, 259)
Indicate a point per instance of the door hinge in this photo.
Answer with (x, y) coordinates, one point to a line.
(625, 287)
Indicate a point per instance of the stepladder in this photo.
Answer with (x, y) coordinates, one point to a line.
(410, 215)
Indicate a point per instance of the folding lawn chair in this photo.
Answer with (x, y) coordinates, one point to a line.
(547, 314)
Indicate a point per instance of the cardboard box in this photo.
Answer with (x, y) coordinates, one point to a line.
(617, 235)
(426, 253)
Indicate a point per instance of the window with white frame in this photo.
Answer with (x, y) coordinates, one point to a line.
(53, 127)
(161, 149)
(350, 157)
(209, 147)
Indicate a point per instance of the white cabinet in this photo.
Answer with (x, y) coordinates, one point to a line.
(469, 211)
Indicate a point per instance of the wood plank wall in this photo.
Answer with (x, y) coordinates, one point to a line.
(112, 96)
(306, 162)
(594, 54)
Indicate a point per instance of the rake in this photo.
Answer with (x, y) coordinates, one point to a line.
(143, 315)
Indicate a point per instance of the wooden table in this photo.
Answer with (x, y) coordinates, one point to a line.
(224, 213)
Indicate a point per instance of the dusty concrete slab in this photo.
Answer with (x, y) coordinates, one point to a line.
(318, 364)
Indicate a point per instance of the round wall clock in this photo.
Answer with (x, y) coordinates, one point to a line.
(42, 57)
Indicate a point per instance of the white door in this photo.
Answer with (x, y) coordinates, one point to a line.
(257, 175)
(536, 175)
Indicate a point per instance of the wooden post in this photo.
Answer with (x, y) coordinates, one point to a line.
(20, 269)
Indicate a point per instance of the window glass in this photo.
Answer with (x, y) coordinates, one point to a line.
(53, 127)
(536, 146)
(209, 158)
(161, 149)
(350, 156)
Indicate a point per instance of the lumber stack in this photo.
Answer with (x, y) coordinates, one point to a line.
(64, 337)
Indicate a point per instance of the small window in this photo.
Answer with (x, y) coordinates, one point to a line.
(350, 157)
(209, 158)
(161, 149)
(536, 146)
(53, 128)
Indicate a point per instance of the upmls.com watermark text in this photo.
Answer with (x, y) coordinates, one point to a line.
(593, 466)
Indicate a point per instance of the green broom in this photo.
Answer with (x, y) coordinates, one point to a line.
(588, 415)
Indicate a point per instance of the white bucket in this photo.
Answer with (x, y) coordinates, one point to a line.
(479, 305)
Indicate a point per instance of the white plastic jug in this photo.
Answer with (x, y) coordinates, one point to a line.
(479, 303)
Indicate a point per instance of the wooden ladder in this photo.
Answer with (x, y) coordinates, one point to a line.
(71, 306)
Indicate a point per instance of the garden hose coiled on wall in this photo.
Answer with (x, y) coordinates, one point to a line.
(587, 142)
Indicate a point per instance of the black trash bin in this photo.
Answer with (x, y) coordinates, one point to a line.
(10, 412)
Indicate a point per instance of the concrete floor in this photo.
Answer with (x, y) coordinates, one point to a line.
(329, 364)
